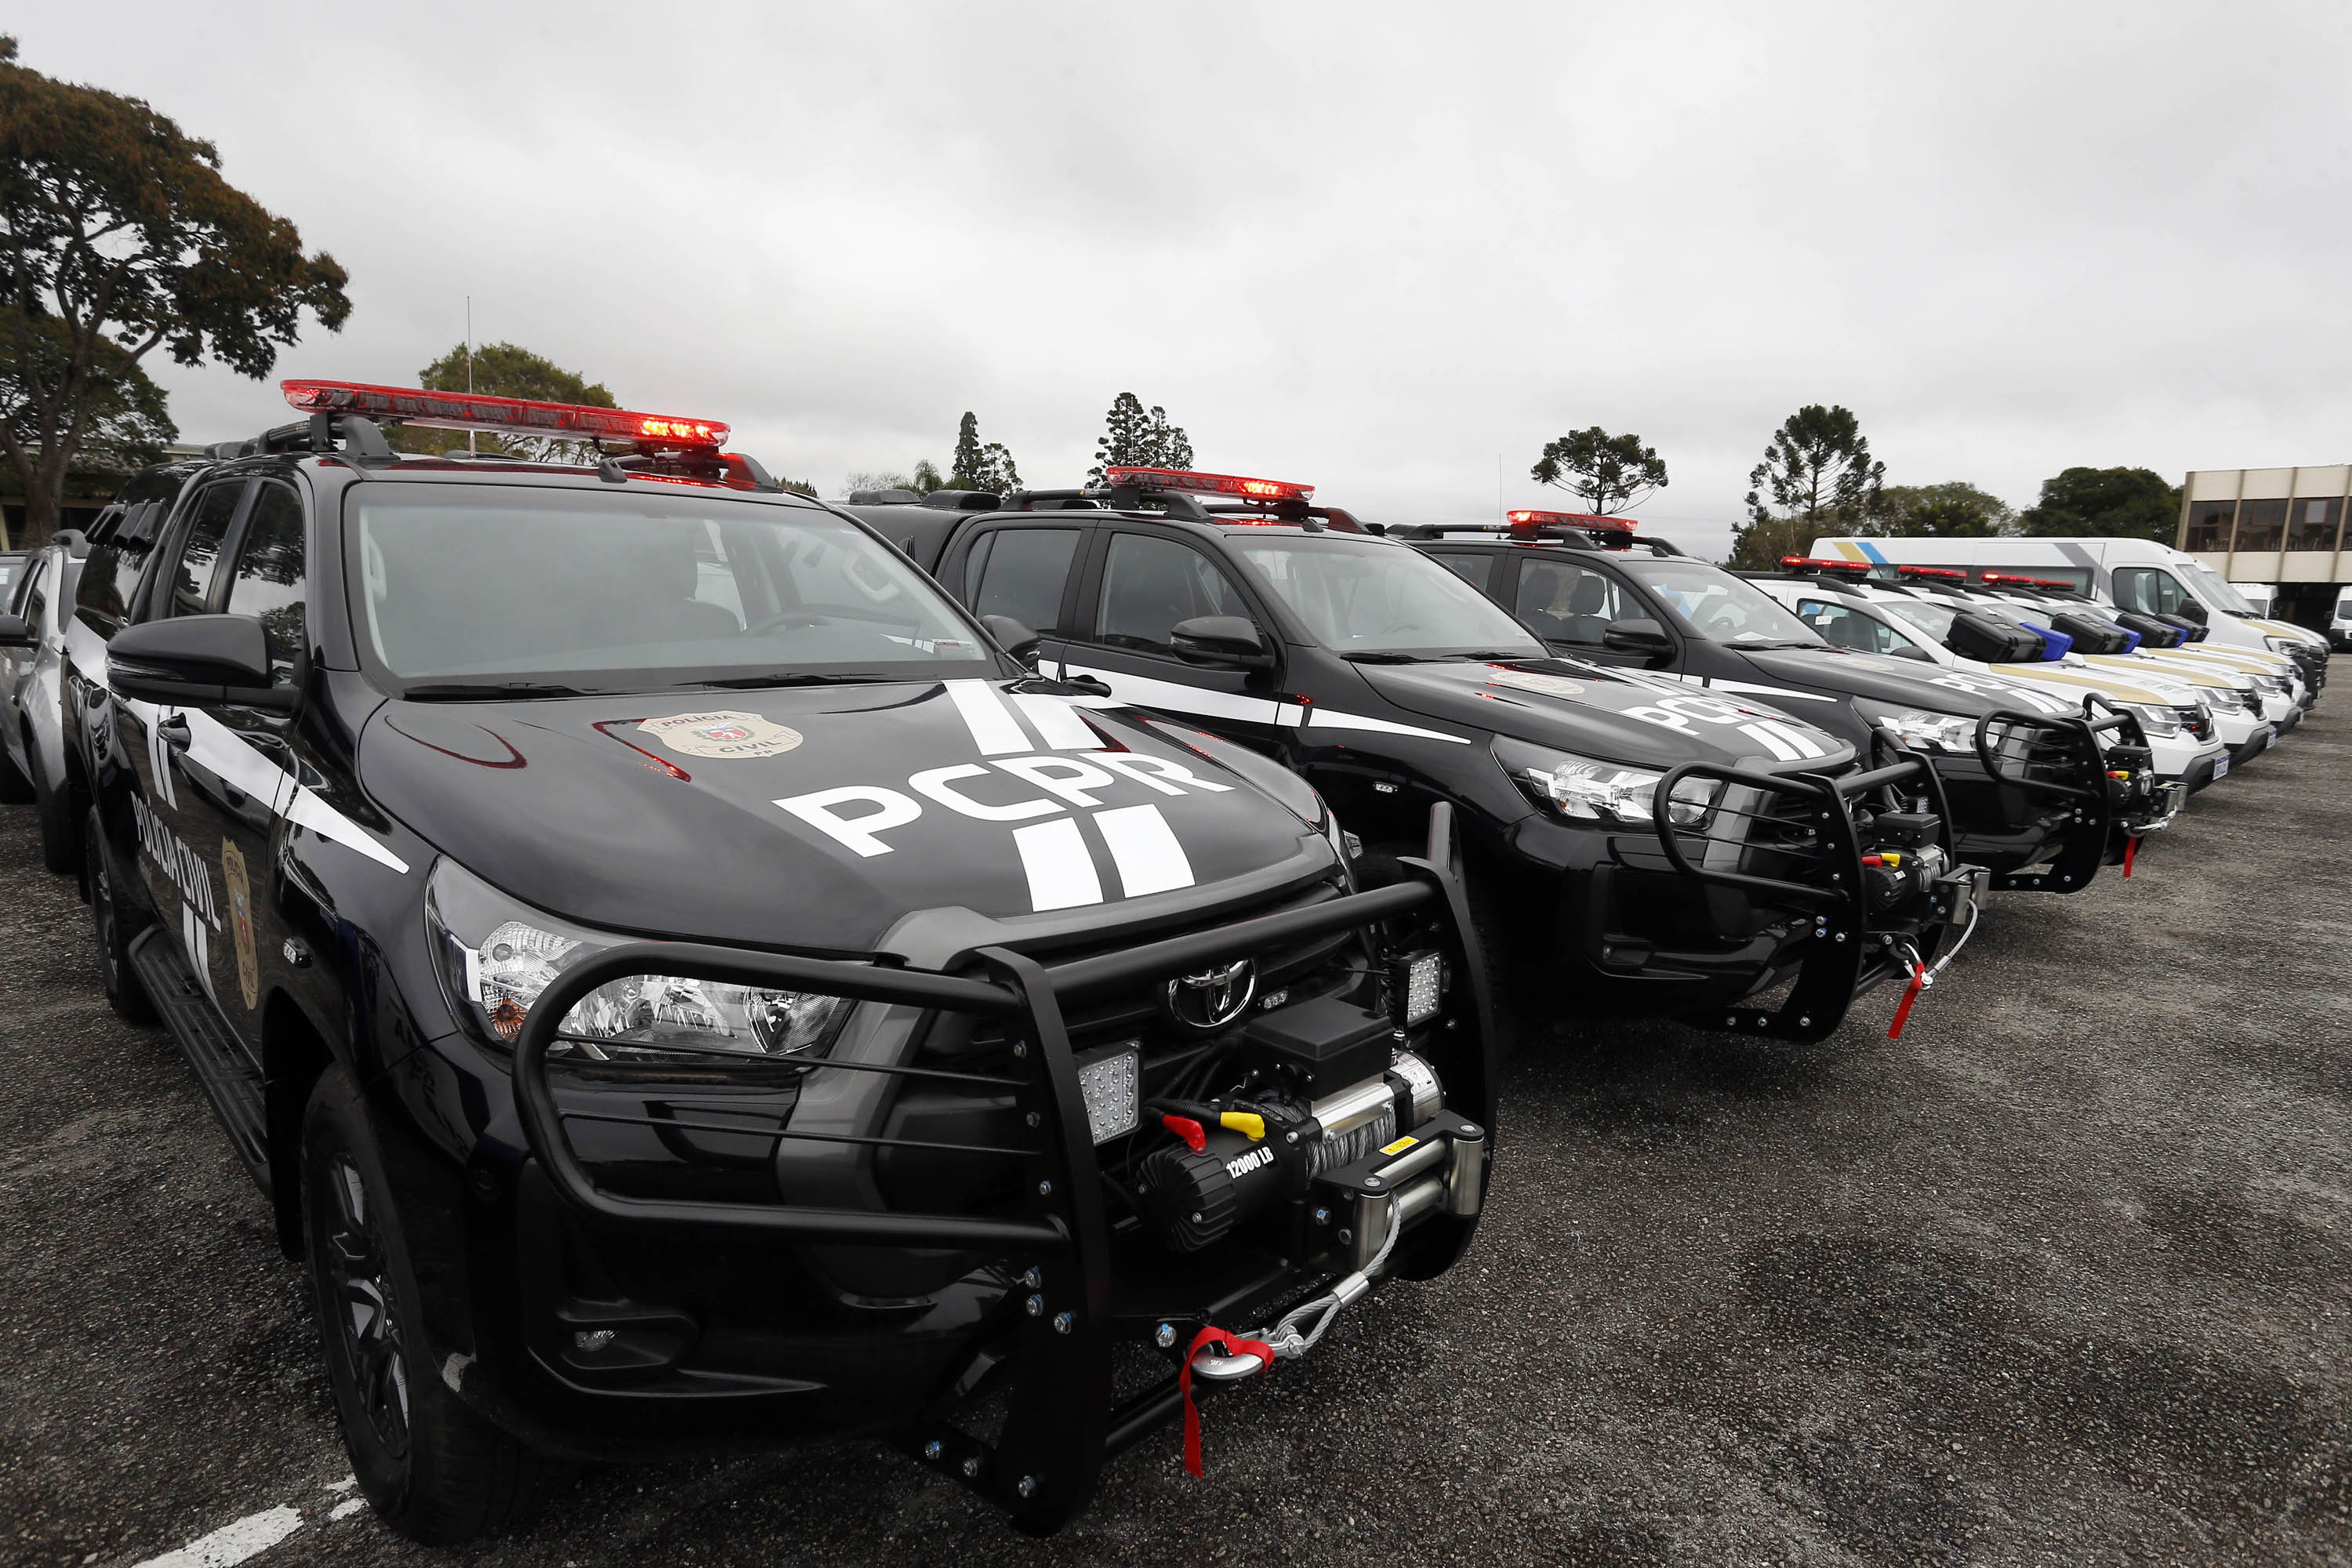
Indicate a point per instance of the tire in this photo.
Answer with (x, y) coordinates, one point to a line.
(113, 931)
(16, 789)
(53, 807)
(430, 1467)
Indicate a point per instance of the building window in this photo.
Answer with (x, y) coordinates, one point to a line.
(2312, 525)
(2261, 524)
(2208, 526)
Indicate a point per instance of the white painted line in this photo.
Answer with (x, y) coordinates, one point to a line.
(345, 1509)
(346, 1484)
(232, 1543)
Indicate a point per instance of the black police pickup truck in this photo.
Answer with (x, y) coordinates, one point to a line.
(1635, 846)
(682, 986)
(2042, 800)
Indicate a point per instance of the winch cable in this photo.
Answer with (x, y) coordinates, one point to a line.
(1284, 1341)
(1923, 977)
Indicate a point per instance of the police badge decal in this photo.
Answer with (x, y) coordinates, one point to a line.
(721, 734)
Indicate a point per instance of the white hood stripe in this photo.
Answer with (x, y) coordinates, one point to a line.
(1061, 873)
(993, 729)
(1057, 721)
(1145, 850)
(1795, 737)
(1766, 737)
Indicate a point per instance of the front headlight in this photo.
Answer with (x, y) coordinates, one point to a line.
(2155, 719)
(1588, 791)
(2280, 645)
(2224, 698)
(1928, 732)
(495, 956)
(2276, 685)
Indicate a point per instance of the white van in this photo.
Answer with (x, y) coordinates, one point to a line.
(2129, 573)
(2339, 626)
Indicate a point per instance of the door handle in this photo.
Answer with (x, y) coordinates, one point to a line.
(174, 731)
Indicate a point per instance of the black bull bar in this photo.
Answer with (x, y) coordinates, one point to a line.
(1823, 851)
(1062, 1424)
(2095, 827)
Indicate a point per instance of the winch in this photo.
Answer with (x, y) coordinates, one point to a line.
(1239, 1155)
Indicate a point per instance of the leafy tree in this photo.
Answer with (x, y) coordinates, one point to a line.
(1133, 438)
(2114, 503)
(118, 236)
(128, 427)
(926, 478)
(505, 369)
(1818, 471)
(1607, 472)
(982, 467)
(875, 479)
(1952, 510)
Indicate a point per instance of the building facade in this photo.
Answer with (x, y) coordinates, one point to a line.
(2279, 527)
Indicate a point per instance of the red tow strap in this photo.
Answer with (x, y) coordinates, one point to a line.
(2131, 848)
(1238, 1346)
(1910, 994)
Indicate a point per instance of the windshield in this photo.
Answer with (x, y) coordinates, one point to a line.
(1711, 602)
(1932, 618)
(1357, 596)
(2216, 592)
(510, 585)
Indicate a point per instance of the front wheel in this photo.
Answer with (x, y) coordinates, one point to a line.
(53, 807)
(430, 1468)
(113, 931)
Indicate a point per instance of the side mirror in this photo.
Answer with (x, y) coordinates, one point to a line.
(2194, 611)
(1641, 636)
(196, 661)
(1910, 650)
(1221, 639)
(1014, 637)
(16, 632)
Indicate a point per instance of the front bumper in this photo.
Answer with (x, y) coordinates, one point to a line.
(1019, 1285)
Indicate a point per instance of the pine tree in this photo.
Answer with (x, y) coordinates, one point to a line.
(1606, 472)
(979, 466)
(1135, 439)
(1818, 473)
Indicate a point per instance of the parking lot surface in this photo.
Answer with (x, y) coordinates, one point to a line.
(2060, 1276)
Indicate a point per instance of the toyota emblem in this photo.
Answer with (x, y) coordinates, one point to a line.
(1208, 1001)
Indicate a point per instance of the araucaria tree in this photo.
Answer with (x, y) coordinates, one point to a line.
(1608, 473)
(1818, 472)
(118, 236)
(1134, 438)
(982, 467)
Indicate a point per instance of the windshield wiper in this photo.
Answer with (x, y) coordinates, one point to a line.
(1384, 656)
(797, 678)
(482, 690)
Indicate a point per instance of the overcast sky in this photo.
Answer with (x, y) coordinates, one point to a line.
(1389, 250)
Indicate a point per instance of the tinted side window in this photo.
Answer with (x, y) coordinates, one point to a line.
(2150, 590)
(1564, 602)
(1475, 569)
(36, 598)
(110, 576)
(1150, 585)
(268, 577)
(1842, 625)
(1024, 574)
(192, 574)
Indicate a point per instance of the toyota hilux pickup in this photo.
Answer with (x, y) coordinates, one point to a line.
(682, 987)
(2035, 797)
(1635, 846)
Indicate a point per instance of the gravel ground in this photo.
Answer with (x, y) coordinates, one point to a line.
(2059, 1276)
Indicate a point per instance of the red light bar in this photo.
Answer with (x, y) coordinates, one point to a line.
(2056, 585)
(1591, 522)
(2019, 582)
(1824, 563)
(479, 411)
(1209, 484)
(1946, 574)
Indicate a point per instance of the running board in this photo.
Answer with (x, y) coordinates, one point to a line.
(231, 1082)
